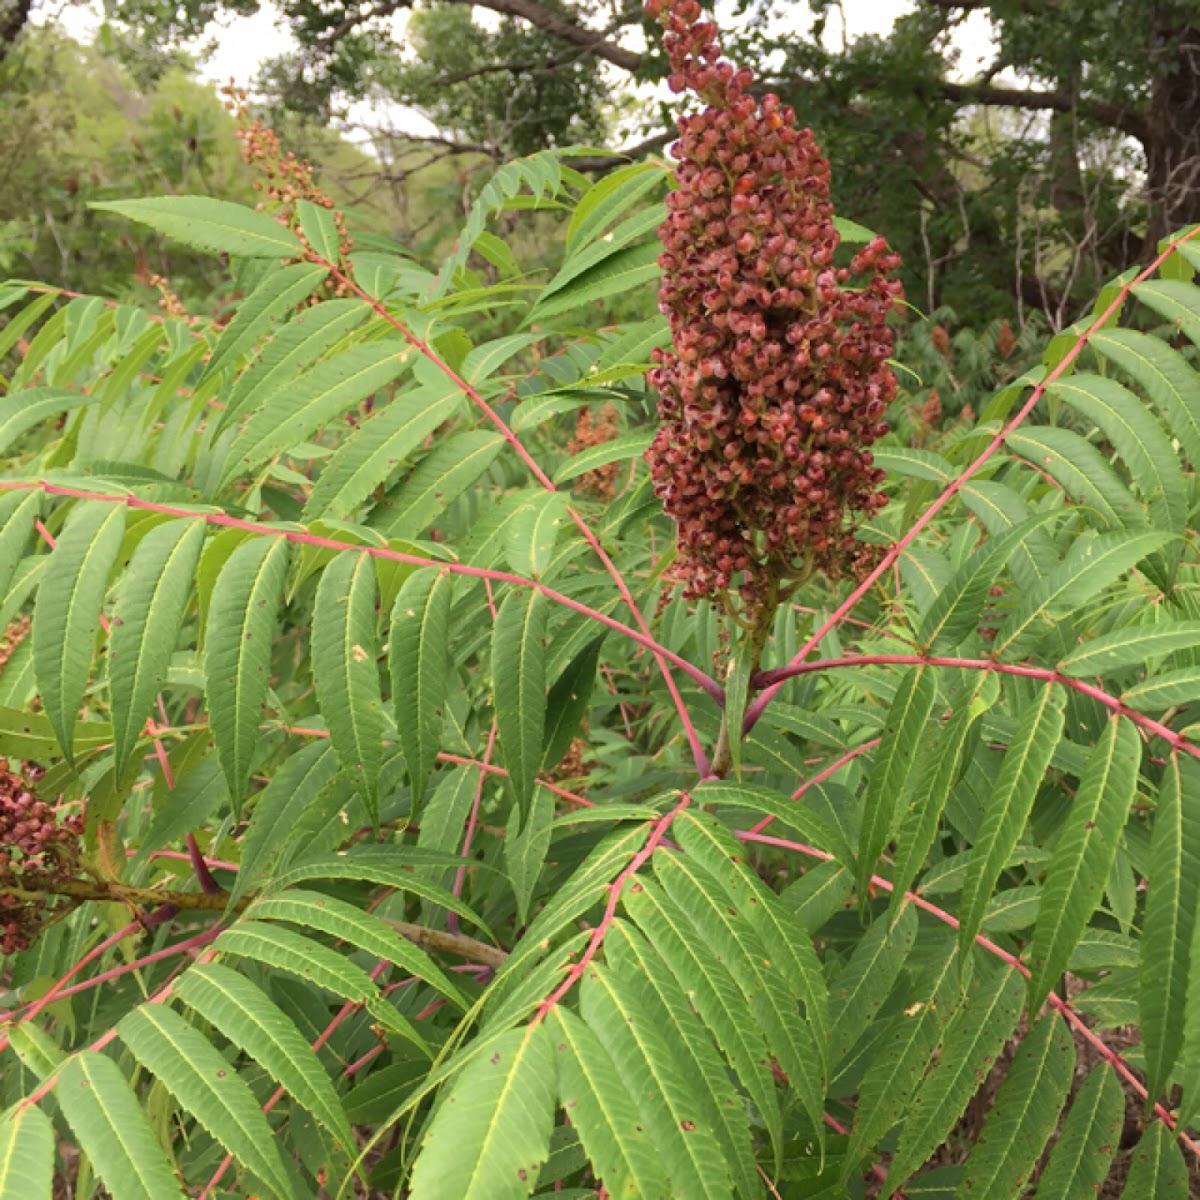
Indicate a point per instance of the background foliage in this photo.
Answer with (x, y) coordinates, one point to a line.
(377, 847)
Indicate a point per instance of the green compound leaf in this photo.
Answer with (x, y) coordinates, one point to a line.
(1172, 894)
(1130, 647)
(106, 1116)
(146, 618)
(208, 1087)
(279, 807)
(213, 225)
(300, 342)
(1138, 438)
(1091, 566)
(18, 511)
(315, 398)
(247, 1016)
(1090, 1137)
(242, 618)
(419, 667)
(970, 1045)
(1167, 378)
(657, 994)
(526, 843)
(712, 845)
(956, 612)
(568, 702)
(21, 411)
(285, 950)
(601, 1108)
(378, 448)
(936, 775)
(519, 684)
(280, 292)
(1084, 855)
(344, 653)
(633, 1029)
(66, 614)
(26, 1153)
(714, 995)
(1024, 1115)
(342, 920)
(903, 1058)
(621, 449)
(766, 993)
(490, 1135)
(893, 765)
(438, 480)
(318, 226)
(1157, 1170)
(859, 989)
(1033, 744)
(535, 529)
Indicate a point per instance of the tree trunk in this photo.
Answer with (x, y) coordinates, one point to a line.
(1173, 132)
(14, 15)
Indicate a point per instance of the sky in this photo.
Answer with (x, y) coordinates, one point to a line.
(242, 44)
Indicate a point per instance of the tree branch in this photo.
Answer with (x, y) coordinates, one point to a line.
(545, 19)
(609, 162)
(1126, 120)
(555, 24)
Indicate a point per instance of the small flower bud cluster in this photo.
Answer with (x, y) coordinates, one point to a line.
(36, 849)
(12, 637)
(777, 379)
(286, 178)
(169, 301)
(594, 430)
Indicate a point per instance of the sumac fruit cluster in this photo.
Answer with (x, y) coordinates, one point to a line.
(777, 379)
(36, 849)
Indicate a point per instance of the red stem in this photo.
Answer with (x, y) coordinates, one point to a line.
(460, 875)
(1056, 1002)
(476, 398)
(771, 679)
(55, 992)
(893, 554)
(705, 682)
(184, 947)
(610, 909)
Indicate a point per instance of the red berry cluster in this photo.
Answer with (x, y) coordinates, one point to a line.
(777, 380)
(36, 849)
(286, 177)
(594, 429)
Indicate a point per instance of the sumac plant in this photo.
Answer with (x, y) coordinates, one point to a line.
(456, 747)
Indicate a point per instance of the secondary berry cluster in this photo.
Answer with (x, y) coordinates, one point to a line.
(286, 178)
(36, 849)
(777, 379)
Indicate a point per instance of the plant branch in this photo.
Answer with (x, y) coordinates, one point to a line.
(145, 898)
(1177, 741)
(473, 394)
(893, 553)
(1056, 1002)
(705, 682)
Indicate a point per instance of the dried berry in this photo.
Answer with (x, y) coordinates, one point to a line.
(36, 850)
(776, 383)
(594, 430)
(1006, 340)
(931, 410)
(286, 179)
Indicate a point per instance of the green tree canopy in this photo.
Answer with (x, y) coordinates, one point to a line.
(1076, 148)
